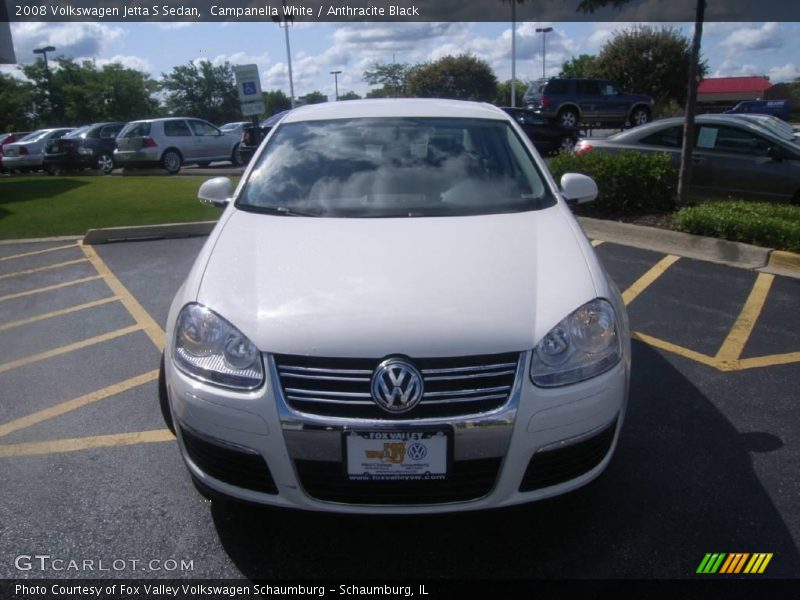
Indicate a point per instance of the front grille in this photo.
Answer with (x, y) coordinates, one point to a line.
(237, 468)
(467, 480)
(340, 387)
(552, 467)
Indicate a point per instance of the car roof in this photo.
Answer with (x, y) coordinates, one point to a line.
(395, 107)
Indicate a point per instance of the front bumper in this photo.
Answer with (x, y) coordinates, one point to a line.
(225, 435)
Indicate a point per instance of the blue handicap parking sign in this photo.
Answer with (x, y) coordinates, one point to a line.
(248, 88)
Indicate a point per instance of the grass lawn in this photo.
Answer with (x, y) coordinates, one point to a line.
(37, 206)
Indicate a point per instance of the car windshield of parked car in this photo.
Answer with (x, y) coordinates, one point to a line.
(395, 167)
(80, 132)
(137, 129)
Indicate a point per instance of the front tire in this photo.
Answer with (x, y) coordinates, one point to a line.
(236, 157)
(171, 161)
(568, 117)
(104, 163)
(566, 145)
(640, 116)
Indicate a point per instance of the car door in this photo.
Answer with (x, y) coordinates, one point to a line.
(587, 93)
(611, 104)
(741, 165)
(669, 140)
(210, 142)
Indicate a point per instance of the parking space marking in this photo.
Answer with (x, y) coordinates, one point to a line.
(648, 278)
(70, 405)
(733, 345)
(35, 252)
(675, 349)
(45, 268)
(139, 314)
(57, 313)
(20, 362)
(49, 288)
(771, 360)
(84, 443)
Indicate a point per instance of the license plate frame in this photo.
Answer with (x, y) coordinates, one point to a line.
(386, 464)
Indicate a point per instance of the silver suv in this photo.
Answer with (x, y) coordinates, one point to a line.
(174, 141)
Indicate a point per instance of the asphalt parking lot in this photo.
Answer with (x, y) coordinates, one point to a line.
(708, 461)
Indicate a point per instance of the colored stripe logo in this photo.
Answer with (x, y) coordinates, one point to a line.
(734, 563)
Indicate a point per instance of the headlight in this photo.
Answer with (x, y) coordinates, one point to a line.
(583, 345)
(211, 349)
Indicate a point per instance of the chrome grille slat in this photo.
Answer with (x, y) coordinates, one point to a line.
(341, 387)
(502, 388)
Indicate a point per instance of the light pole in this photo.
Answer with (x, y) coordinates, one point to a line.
(513, 53)
(336, 82)
(284, 22)
(43, 52)
(544, 31)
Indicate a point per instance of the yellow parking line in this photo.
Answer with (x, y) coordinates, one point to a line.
(648, 278)
(596, 243)
(33, 253)
(84, 443)
(57, 313)
(140, 315)
(45, 268)
(70, 405)
(21, 362)
(49, 288)
(734, 343)
(771, 360)
(674, 348)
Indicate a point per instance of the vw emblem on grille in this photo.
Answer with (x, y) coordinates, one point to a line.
(396, 385)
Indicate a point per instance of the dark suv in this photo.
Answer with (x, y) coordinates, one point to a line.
(576, 101)
(89, 147)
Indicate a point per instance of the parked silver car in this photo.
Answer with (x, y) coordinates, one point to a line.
(734, 155)
(235, 127)
(27, 153)
(172, 142)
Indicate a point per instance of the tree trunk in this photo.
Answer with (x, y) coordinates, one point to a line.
(685, 174)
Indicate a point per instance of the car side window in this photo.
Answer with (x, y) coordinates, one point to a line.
(588, 88)
(177, 128)
(671, 137)
(731, 139)
(203, 128)
(608, 90)
(557, 86)
(110, 131)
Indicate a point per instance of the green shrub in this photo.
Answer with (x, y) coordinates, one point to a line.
(629, 182)
(760, 223)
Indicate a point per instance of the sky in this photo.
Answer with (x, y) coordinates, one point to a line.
(771, 49)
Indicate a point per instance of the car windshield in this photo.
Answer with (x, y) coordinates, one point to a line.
(395, 167)
(136, 129)
(79, 132)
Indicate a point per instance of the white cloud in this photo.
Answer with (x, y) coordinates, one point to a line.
(733, 68)
(768, 36)
(787, 72)
(70, 39)
(131, 62)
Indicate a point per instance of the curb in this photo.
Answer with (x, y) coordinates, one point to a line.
(148, 232)
(783, 263)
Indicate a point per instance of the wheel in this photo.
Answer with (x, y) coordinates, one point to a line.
(640, 116)
(236, 157)
(53, 169)
(568, 117)
(104, 163)
(203, 164)
(567, 145)
(171, 161)
(163, 398)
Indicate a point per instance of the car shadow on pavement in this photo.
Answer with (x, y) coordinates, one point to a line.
(681, 484)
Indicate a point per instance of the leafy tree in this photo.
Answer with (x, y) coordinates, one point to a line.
(202, 90)
(579, 66)
(349, 96)
(647, 60)
(315, 97)
(275, 101)
(503, 95)
(694, 75)
(16, 101)
(462, 77)
(392, 77)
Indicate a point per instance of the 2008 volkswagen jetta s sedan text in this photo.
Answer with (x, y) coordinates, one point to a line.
(396, 313)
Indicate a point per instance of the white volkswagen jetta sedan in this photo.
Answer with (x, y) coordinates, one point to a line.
(396, 313)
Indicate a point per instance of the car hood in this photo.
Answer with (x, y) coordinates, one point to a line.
(423, 287)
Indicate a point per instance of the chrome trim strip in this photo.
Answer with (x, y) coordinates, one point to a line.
(468, 376)
(329, 393)
(502, 388)
(331, 401)
(465, 400)
(325, 377)
(321, 370)
(473, 368)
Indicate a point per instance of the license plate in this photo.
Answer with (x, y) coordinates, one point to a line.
(396, 455)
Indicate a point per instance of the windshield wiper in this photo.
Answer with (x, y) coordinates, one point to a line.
(287, 212)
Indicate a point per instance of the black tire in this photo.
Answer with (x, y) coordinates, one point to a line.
(639, 116)
(567, 145)
(104, 163)
(171, 160)
(53, 169)
(568, 117)
(163, 398)
(236, 157)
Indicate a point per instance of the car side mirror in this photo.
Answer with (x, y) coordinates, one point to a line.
(774, 153)
(216, 191)
(578, 189)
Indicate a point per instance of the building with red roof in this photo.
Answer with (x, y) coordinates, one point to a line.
(722, 92)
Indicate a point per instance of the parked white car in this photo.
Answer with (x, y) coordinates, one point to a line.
(27, 153)
(396, 313)
(173, 142)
